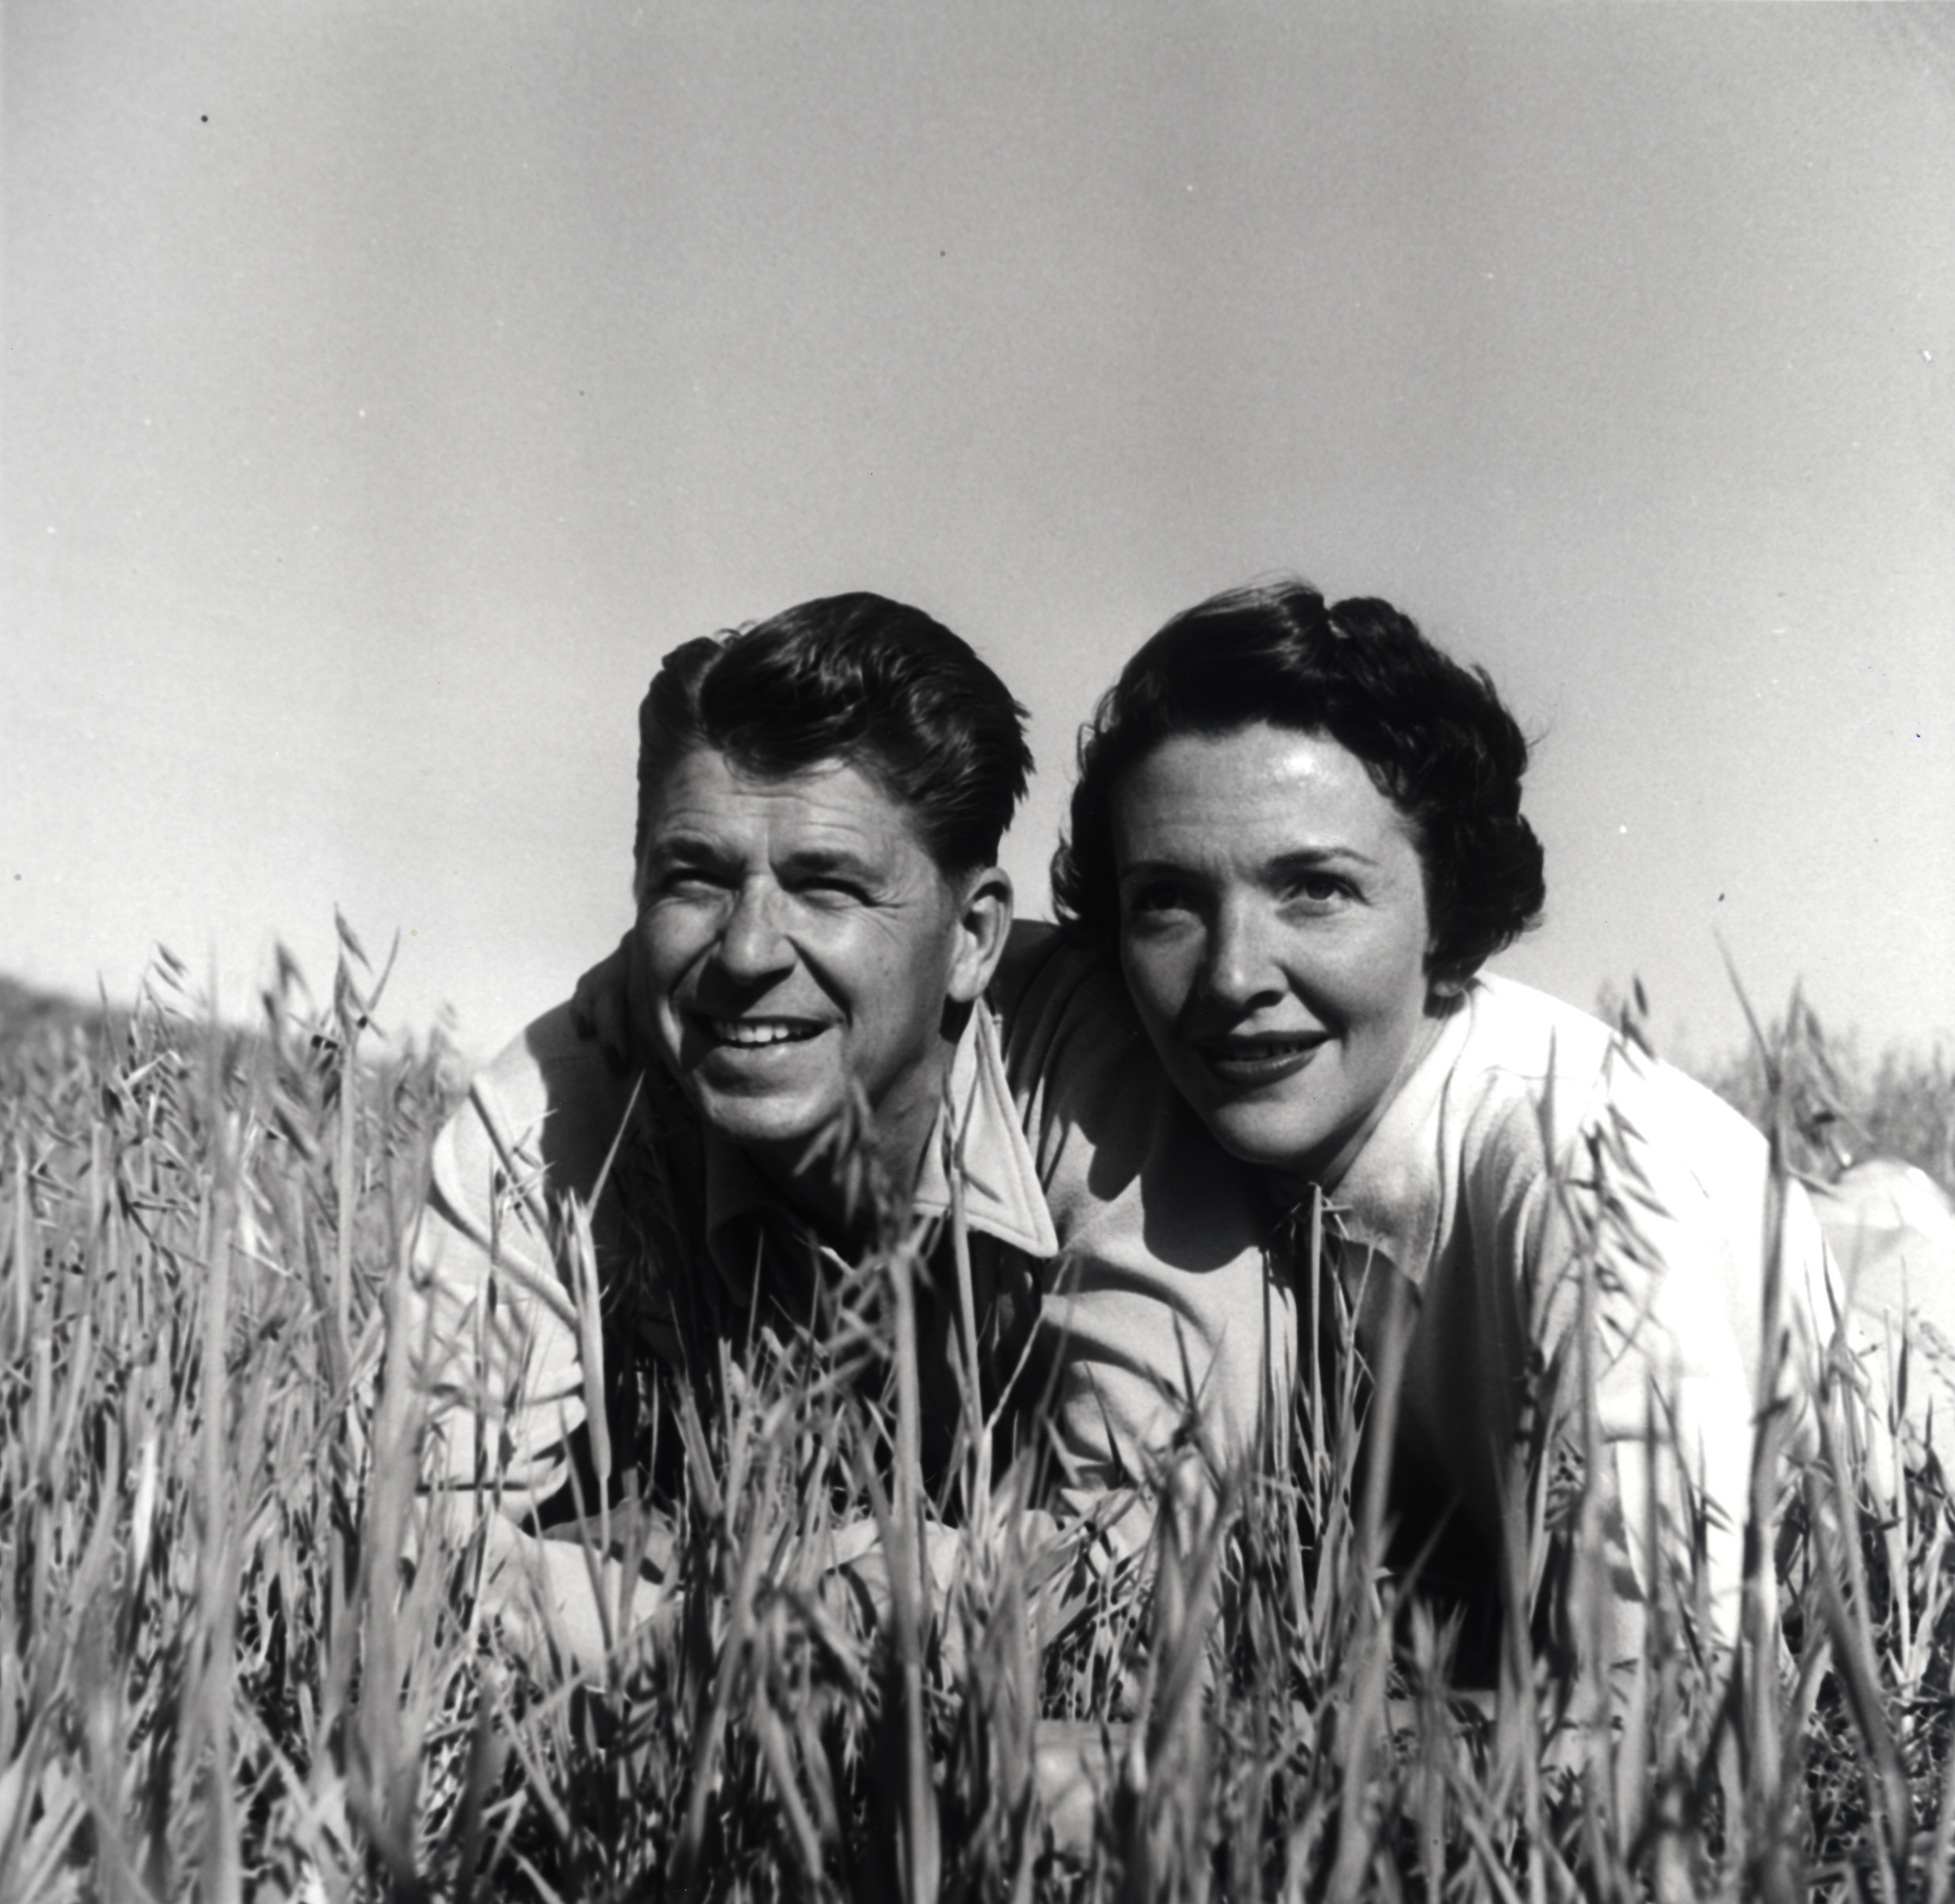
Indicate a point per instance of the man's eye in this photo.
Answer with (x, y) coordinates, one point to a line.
(689, 882)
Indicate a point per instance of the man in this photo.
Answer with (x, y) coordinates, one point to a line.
(832, 1050)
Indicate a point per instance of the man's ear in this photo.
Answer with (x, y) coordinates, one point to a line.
(983, 923)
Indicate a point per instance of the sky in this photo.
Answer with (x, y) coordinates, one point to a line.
(386, 388)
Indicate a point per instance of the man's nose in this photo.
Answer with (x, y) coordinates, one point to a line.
(752, 944)
(1240, 970)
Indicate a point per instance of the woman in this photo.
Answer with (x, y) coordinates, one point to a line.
(1298, 825)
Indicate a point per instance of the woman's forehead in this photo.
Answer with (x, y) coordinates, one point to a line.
(1260, 786)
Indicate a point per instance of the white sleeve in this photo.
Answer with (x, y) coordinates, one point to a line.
(495, 1343)
(1657, 1236)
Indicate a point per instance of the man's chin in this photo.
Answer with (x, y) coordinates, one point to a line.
(779, 1122)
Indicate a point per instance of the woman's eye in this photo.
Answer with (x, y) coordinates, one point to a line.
(1318, 889)
(1159, 898)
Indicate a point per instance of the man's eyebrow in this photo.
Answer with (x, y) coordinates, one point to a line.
(667, 847)
(807, 860)
(688, 849)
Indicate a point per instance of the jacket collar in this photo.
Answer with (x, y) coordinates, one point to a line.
(1389, 1200)
(977, 1149)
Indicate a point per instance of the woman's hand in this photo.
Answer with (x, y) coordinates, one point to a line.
(600, 1008)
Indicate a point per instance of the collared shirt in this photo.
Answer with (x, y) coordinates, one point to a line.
(1529, 1142)
(980, 1145)
(1170, 1315)
(1091, 1192)
(687, 1243)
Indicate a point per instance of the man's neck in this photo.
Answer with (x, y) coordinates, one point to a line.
(859, 1184)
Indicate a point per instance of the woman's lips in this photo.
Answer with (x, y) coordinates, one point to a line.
(1240, 1060)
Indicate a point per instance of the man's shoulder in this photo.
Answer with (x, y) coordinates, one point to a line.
(1045, 968)
(1060, 1003)
(549, 1099)
(550, 1069)
(1033, 952)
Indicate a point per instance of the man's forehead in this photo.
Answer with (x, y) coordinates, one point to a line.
(705, 792)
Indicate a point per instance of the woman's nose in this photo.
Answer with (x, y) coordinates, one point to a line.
(1241, 969)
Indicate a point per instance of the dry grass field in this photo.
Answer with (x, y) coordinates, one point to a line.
(220, 1679)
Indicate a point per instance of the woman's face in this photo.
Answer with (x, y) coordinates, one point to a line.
(1274, 935)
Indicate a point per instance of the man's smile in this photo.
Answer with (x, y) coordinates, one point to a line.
(758, 1034)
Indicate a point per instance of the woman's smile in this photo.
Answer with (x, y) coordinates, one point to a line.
(1251, 1059)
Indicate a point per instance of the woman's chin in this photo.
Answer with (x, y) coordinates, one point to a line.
(1260, 1136)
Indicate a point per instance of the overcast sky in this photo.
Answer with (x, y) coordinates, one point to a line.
(387, 387)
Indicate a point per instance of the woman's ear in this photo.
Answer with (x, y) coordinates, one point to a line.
(984, 924)
(1445, 979)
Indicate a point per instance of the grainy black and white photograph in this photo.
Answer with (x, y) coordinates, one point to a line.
(976, 953)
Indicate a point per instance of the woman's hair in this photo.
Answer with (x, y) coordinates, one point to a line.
(1433, 736)
(860, 678)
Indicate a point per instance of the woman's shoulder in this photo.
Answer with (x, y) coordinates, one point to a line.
(1537, 1073)
(1527, 1067)
(1517, 1032)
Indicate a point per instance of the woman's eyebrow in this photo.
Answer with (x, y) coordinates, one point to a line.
(1154, 869)
(1298, 859)
(1310, 859)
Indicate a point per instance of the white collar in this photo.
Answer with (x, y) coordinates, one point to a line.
(977, 1144)
(1389, 1199)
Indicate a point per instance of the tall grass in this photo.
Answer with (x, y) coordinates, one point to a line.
(220, 1676)
(1836, 1102)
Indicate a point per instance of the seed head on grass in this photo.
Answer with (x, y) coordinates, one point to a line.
(218, 1675)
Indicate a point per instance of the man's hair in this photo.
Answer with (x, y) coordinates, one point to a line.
(1433, 736)
(858, 678)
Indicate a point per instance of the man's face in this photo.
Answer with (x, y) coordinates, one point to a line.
(797, 942)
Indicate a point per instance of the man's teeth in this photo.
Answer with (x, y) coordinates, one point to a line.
(759, 1031)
